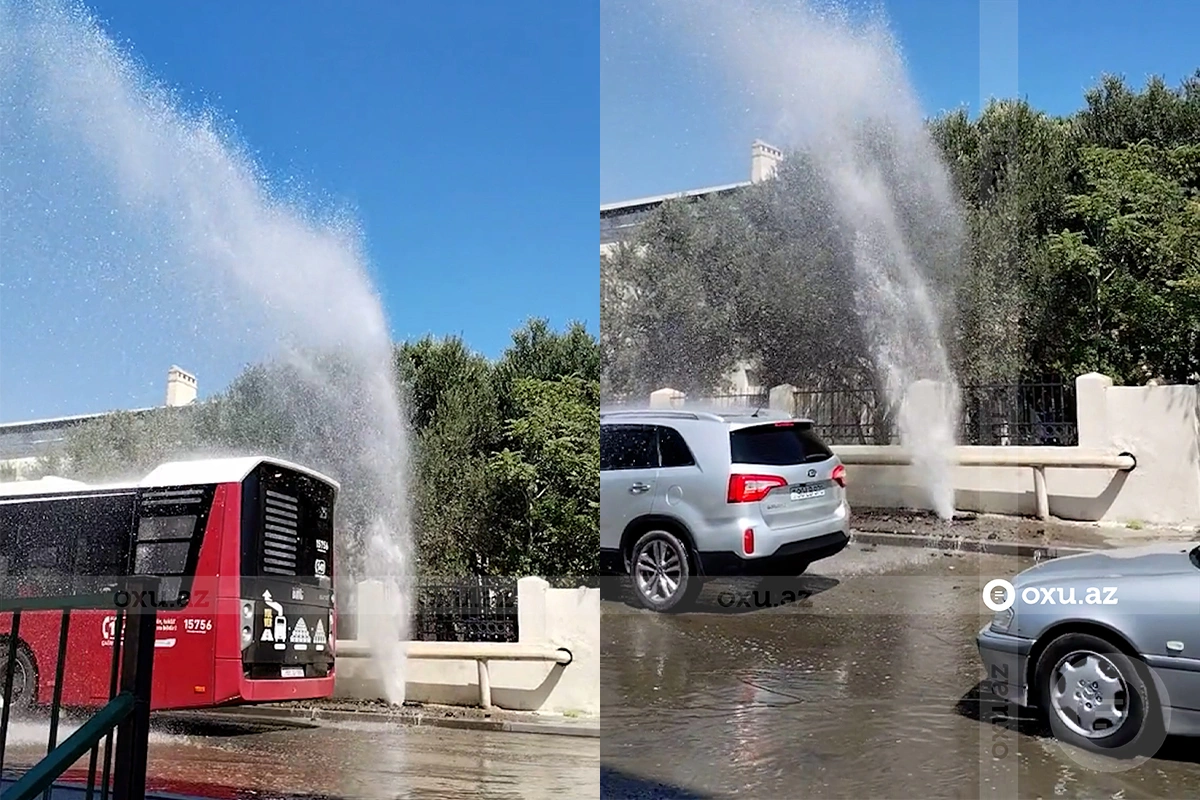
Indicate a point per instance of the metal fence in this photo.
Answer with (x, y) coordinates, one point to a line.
(467, 610)
(1020, 414)
(738, 401)
(992, 414)
(127, 712)
(851, 415)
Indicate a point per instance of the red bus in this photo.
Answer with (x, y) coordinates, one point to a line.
(243, 548)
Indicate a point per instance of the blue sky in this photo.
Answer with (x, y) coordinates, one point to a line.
(463, 135)
(666, 124)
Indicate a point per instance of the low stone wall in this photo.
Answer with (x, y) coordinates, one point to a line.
(567, 618)
(1159, 425)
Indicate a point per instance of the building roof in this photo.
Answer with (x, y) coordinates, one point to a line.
(643, 203)
(36, 437)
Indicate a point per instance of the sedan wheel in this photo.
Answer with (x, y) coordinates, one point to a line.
(661, 571)
(1098, 698)
(1089, 694)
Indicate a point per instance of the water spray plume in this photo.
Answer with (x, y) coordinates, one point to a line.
(837, 92)
(130, 208)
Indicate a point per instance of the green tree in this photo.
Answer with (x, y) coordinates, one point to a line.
(1081, 255)
(453, 410)
(545, 481)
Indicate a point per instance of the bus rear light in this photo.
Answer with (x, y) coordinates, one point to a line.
(748, 541)
(752, 488)
(199, 689)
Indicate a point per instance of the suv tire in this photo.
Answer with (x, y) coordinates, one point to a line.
(661, 571)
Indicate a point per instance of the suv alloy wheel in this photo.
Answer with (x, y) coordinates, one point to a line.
(661, 571)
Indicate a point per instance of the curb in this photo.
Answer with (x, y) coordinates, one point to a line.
(314, 716)
(967, 545)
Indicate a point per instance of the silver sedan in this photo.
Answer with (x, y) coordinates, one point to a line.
(1106, 645)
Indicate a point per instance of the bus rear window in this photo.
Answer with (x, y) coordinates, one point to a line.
(777, 445)
(290, 530)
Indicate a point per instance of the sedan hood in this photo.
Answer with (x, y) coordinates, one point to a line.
(1154, 559)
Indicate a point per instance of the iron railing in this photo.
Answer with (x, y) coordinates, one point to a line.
(992, 414)
(737, 400)
(466, 610)
(1020, 414)
(848, 415)
(127, 713)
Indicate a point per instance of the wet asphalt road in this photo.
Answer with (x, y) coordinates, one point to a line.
(363, 762)
(865, 688)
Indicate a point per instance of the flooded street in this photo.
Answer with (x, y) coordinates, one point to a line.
(863, 687)
(363, 762)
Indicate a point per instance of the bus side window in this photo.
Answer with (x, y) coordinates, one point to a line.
(101, 552)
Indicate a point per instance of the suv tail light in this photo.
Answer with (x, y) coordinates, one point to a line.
(752, 488)
(839, 475)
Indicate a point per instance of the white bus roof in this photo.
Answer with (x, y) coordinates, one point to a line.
(199, 472)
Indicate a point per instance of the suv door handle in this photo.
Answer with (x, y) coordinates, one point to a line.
(639, 488)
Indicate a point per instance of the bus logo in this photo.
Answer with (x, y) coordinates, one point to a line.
(319, 567)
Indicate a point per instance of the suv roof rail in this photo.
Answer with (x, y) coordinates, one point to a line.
(669, 413)
(763, 414)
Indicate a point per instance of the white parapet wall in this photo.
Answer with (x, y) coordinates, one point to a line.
(554, 618)
(1158, 425)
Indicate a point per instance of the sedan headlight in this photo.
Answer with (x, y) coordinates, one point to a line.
(1003, 620)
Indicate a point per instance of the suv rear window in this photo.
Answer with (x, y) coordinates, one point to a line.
(777, 445)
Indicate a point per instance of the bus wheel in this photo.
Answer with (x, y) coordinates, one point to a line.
(24, 678)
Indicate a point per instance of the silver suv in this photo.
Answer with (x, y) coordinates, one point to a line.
(685, 494)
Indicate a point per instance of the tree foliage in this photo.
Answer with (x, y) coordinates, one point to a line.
(505, 454)
(1082, 253)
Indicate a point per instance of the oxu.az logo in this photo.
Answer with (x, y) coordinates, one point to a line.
(1000, 595)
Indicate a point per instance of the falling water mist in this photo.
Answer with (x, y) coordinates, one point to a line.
(837, 91)
(111, 187)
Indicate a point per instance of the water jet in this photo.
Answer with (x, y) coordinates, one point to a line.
(837, 92)
(161, 235)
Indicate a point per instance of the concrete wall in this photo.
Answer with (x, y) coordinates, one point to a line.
(1160, 425)
(567, 618)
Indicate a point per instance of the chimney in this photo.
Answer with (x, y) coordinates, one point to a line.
(181, 387)
(764, 159)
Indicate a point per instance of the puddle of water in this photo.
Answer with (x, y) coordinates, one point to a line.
(858, 692)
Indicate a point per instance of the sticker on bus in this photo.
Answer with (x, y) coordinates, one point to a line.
(319, 637)
(274, 622)
(300, 638)
(108, 628)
